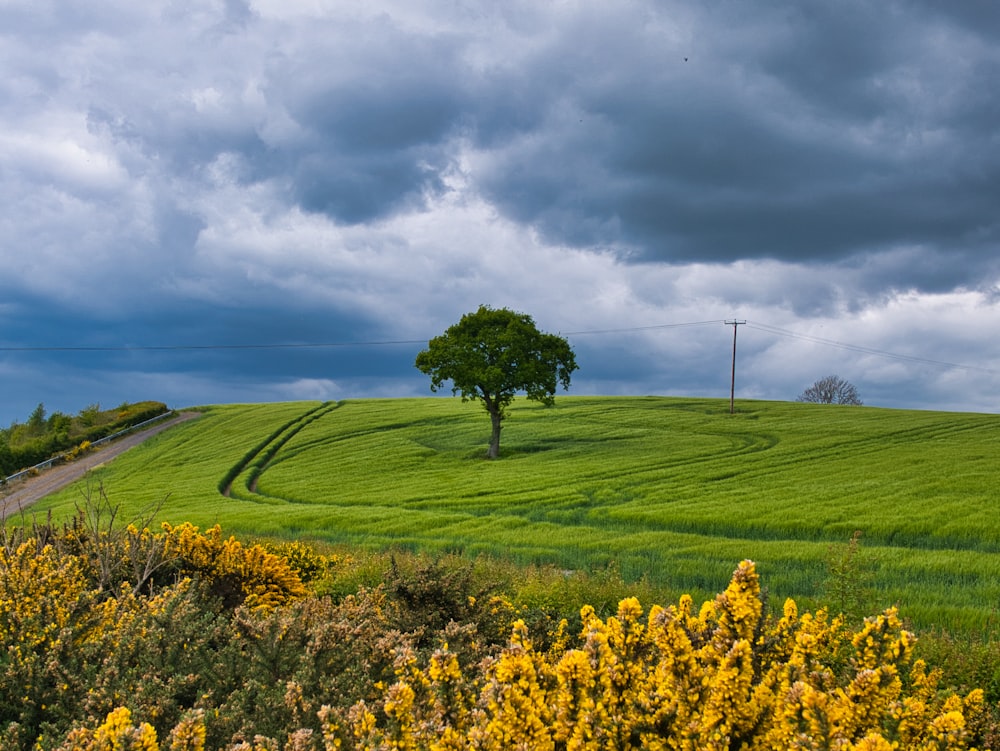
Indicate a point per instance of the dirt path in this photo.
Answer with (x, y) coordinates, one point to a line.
(23, 493)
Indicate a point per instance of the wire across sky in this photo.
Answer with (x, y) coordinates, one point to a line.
(766, 328)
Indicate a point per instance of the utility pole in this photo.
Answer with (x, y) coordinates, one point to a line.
(732, 383)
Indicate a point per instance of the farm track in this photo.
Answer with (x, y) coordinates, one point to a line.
(853, 448)
(781, 456)
(743, 443)
(31, 490)
(258, 459)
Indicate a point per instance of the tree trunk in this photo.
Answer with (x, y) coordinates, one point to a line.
(494, 450)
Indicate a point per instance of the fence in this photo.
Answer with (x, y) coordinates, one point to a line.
(56, 459)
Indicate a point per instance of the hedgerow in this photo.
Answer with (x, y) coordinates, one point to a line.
(126, 638)
(40, 439)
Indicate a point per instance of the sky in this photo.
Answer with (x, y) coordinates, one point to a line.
(216, 201)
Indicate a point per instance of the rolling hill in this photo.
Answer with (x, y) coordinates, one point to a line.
(671, 490)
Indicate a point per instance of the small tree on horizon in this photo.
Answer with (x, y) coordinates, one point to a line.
(492, 354)
(831, 390)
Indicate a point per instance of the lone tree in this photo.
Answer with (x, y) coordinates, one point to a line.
(831, 390)
(492, 354)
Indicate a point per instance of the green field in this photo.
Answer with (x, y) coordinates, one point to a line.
(675, 491)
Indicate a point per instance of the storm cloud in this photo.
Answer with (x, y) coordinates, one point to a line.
(261, 173)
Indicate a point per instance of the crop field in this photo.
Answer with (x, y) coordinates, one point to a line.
(670, 490)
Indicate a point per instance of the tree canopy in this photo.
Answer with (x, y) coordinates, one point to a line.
(491, 355)
(831, 390)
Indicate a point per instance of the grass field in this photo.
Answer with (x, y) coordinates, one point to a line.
(675, 491)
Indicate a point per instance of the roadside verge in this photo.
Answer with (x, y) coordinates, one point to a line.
(19, 495)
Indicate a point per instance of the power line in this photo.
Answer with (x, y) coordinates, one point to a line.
(308, 345)
(183, 347)
(866, 350)
(590, 332)
(646, 328)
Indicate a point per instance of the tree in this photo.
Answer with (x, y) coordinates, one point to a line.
(36, 422)
(7, 463)
(492, 354)
(831, 390)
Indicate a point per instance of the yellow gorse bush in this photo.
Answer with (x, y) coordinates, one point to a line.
(727, 676)
(66, 595)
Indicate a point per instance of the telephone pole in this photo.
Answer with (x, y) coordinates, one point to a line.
(732, 383)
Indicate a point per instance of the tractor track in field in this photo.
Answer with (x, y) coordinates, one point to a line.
(23, 493)
(257, 460)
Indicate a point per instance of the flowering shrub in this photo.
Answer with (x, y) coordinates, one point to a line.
(46, 611)
(722, 679)
(77, 451)
(234, 654)
(239, 574)
(307, 563)
(79, 636)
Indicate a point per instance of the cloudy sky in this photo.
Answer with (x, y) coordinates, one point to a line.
(185, 185)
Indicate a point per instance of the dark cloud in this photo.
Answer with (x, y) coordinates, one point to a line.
(848, 132)
(833, 56)
(231, 173)
(974, 16)
(377, 108)
(352, 190)
(793, 131)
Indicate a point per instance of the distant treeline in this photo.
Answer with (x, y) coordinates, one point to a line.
(43, 436)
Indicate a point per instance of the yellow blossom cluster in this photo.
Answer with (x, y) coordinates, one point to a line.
(256, 577)
(38, 592)
(119, 733)
(116, 733)
(84, 612)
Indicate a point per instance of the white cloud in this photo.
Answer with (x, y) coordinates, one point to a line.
(304, 389)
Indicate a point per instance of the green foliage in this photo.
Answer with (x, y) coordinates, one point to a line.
(433, 594)
(966, 661)
(42, 438)
(851, 576)
(59, 423)
(36, 421)
(90, 414)
(491, 355)
(7, 459)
